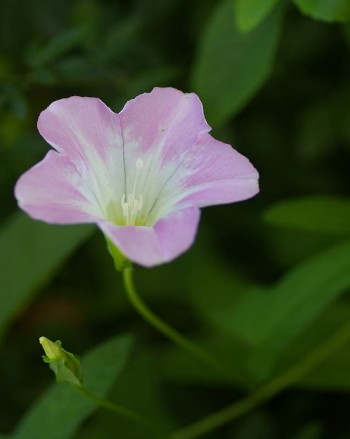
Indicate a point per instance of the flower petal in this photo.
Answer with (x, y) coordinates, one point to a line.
(164, 122)
(79, 126)
(158, 130)
(215, 173)
(87, 131)
(141, 175)
(150, 246)
(51, 191)
(137, 243)
(177, 231)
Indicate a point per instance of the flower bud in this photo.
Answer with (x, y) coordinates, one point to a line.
(53, 351)
(65, 365)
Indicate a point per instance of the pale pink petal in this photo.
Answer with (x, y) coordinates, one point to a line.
(163, 123)
(158, 130)
(87, 131)
(152, 165)
(215, 173)
(150, 246)
(137, 243)
(51, 191)
(177, 231)
(80, 127)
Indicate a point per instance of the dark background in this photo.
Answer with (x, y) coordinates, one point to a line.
(265, 283)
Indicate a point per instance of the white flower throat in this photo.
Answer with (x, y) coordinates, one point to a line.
(132, 203)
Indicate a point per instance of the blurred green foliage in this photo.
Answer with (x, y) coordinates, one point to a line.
(267, 280)
(60, 411)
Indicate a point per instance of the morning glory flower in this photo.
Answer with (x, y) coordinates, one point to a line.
(141, 175)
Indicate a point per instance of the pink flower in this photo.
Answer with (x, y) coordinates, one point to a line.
(141, 175)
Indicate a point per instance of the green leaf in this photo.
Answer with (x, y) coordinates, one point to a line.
(120, 38)
(78, 69)
(140, 387)
(268, 319)
(180, 367)
(318, 213)
(346, 32)
(249, 13)
(321, 330)
(215, 274)
(313, 430)
(327, 10)
(273, 319)
(30, 253)
(337, 380)
(254, 425)
(231, 67)
(61, 410)
(58, 46)
(18, 102)
(323, 126)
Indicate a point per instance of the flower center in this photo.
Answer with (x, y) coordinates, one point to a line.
(132, 203)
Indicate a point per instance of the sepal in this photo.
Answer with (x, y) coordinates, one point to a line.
(120, 261)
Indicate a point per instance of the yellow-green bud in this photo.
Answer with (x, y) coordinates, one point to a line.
(51, 349)
(65, 365)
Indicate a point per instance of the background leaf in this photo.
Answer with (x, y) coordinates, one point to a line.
(293, 303)
(328, 10)
(230, 67)
(60, 411)
(23, 241)
(143, 373)
(320, 330)
(57, 46)
(267, 319)
(249, 13)
(313, 430)
(222, 293)
(317, 213)
(323, 127)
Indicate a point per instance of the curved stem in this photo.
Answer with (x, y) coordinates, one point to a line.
(275, 386)
(167, 330)
(118, 409)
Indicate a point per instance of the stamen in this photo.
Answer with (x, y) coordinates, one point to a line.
(139, 163)
(131, 207)
(140, 202)
(132, 203)
(124, 205)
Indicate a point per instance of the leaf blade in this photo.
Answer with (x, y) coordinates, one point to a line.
(318, 213)
(230, 66)
(334, 10)
(61, 410)
(267, 319)
(58, 46)
(250, 13)
(35, 250)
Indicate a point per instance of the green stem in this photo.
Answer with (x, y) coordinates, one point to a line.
(275, 386)
(118, 409)
(167, 330)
